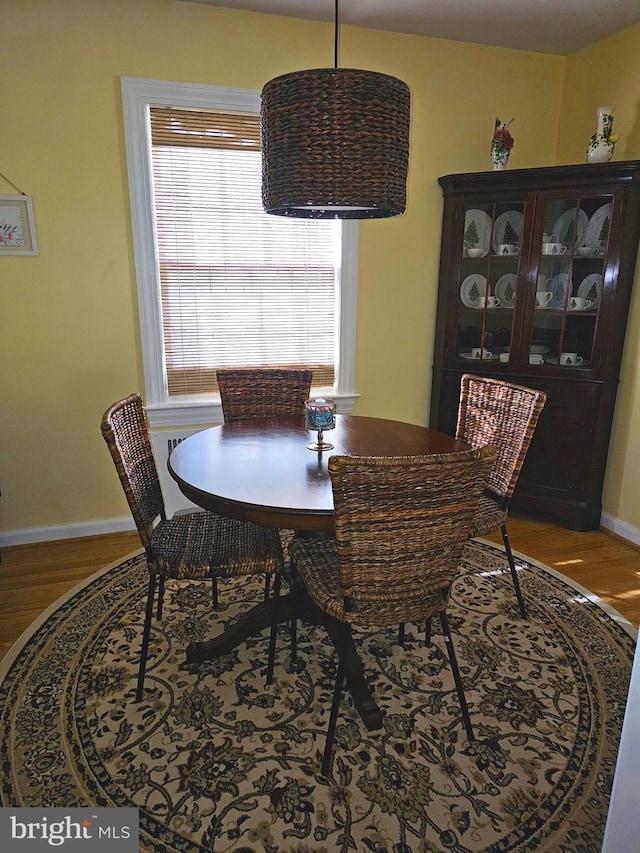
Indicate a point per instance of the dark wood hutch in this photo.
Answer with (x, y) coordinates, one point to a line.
(536, 272)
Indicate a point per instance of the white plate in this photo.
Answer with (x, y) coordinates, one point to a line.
(564, 227)
(472, 288)
(591, 288)
(468, 355)
(505, 289)
(483, 227)
(592, 235)
(512, 218)
(558, 285)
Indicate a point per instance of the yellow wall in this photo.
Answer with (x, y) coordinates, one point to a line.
(69, 338)
(608, 74)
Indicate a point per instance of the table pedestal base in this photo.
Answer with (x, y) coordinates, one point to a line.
(259, 618)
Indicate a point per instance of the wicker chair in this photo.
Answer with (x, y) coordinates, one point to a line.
(191, 545)
(262, 392)
(401, 524)
(506, 415)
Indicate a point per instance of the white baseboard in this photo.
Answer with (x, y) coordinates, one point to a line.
(620, 528)
(28, 535)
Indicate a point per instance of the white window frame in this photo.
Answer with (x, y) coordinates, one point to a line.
(138, 95)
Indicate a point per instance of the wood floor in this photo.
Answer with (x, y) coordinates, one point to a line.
(33, 576)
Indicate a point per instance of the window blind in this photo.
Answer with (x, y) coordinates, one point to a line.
(239, 288)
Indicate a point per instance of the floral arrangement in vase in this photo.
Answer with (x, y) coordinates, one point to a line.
(602, 143)
(501, 144)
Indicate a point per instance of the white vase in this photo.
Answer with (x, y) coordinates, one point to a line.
(499, 159)
(600, 149)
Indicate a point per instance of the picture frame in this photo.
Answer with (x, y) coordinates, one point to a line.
(17, 226)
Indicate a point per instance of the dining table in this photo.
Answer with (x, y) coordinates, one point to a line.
(261, 470)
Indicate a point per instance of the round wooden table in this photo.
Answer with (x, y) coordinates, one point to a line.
(262, 471)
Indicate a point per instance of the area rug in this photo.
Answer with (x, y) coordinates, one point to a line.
(216, 761)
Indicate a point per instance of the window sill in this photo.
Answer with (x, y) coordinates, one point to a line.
(192, 411)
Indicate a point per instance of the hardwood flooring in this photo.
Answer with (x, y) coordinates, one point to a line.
(602, 562)
(33, 576)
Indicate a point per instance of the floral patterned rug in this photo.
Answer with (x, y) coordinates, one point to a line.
(217, 761)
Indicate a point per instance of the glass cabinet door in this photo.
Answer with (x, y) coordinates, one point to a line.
(572, 254)
(487, 281)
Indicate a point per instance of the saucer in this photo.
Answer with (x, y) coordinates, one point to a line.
(553, 359)
(473, 358)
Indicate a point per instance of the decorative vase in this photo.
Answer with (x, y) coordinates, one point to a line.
(602, 143)
(499, 158)
(501, 144)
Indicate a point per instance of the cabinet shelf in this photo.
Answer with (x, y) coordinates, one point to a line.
(589, 208)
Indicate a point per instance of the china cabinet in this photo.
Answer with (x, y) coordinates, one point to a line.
(536, 271)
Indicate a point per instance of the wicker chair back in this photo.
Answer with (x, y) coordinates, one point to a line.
(492, 411)
(401, 524)
(125, 431)
(263, 392)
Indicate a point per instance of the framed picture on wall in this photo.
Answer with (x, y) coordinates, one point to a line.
(17, 226)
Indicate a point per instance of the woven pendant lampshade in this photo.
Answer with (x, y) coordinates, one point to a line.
(335, 144)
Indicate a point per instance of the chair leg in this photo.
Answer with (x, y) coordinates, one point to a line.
(401, 634)
(427, 632)
(145, 636)
(456, 675)
(294, 614)
(267, 586)
(335, 705)
(514, 574)
(274, 627)
(214, 591)
(160, 599)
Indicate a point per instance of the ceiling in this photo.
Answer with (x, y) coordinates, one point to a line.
(547, 26)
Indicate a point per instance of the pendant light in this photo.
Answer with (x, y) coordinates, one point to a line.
(335, 143)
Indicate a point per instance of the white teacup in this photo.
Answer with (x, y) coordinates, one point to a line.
(553, 249)
(474, 251)
(488, 301)
(478, 352)
(570, 358)
(579, 303)
(508, 249)
(543, 298)
(587, 251)
(504, 356)
(535, 358)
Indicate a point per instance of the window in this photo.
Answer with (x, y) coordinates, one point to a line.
(220, 282)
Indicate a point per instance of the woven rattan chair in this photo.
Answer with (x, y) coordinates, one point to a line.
(503, 414)
(401, 524)
(263, 392)
(192, 545)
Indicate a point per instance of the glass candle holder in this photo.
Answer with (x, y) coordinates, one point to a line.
(320, 415)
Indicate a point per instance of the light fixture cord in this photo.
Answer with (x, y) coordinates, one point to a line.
(335, 38)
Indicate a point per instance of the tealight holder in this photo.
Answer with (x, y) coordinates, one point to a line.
(320, 415)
